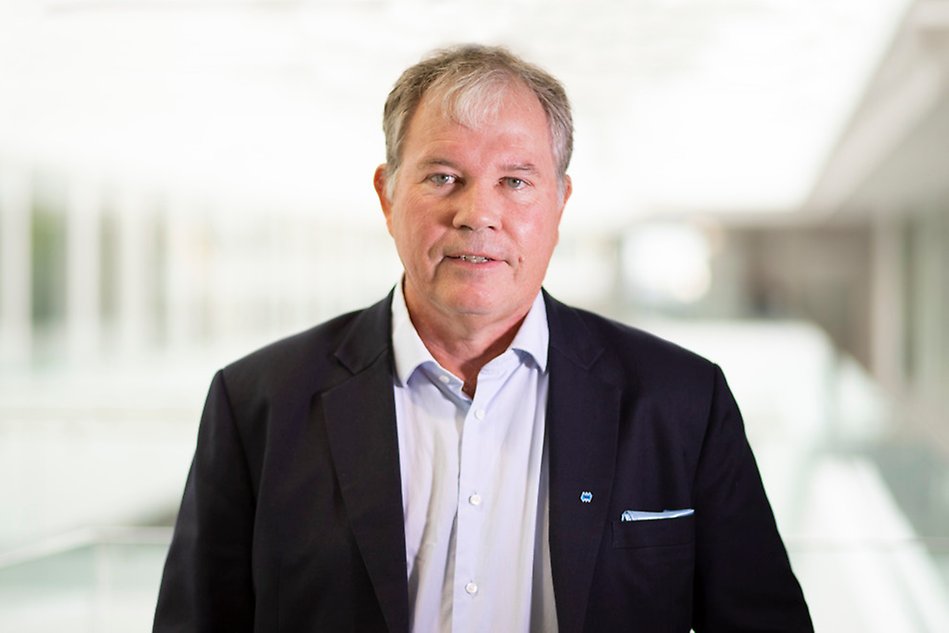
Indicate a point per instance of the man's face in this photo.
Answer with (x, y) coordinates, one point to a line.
(475, 211)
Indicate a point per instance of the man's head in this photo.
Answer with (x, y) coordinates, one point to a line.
(478, 143)
(469, 80)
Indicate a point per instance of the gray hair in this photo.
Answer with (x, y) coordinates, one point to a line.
(472, 80)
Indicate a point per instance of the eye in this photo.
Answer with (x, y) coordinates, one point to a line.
(514, 183)
(441, 180)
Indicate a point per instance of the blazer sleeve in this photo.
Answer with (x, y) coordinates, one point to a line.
(207, 583)
(743, 579)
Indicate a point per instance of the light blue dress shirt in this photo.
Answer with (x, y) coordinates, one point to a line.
(474, 484)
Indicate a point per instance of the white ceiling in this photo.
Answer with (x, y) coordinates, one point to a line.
(893, 154)
(680, 105)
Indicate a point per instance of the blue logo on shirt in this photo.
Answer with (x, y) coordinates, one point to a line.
(586, 497)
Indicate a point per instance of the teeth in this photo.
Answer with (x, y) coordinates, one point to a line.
(474, 259)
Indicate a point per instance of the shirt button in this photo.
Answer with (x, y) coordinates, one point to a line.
(475, 499)
(445, 379)
(471, 588)
(479, 414)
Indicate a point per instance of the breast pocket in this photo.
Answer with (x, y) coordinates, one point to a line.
(654, 533)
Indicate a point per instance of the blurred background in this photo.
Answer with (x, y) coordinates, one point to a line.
(764, 181)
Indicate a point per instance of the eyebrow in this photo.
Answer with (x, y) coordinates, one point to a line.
(525, 168)
(529, 168)
(433, 162)
(444, 162)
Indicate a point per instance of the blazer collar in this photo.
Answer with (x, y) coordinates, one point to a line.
(360, 423)
(569, 336)
(583, 409)
(582, 430)
(368, 337)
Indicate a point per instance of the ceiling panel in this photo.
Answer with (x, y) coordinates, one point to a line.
(680, 105)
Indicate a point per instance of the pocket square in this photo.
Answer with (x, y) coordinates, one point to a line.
(640, 515)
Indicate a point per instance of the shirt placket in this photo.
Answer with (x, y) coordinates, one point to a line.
(475, 471)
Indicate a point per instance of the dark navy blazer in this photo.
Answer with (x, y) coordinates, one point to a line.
(292, 513)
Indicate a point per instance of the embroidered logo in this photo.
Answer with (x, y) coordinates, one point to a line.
(586, 496)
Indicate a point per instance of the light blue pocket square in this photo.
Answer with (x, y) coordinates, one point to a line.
(639, 515)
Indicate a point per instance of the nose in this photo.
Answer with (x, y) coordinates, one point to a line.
(475, 210)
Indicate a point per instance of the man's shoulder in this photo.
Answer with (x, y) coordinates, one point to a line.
(622, 338)
(305, 344)
(307, 358)
(648, 369)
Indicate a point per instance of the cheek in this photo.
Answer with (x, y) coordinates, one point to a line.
(414, 240)
(538, 233)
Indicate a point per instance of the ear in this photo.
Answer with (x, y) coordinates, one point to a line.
(567, 190)
(379, 182)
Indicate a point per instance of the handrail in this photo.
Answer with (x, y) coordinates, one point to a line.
(84, 537)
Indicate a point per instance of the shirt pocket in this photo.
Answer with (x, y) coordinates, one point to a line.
(654, 533)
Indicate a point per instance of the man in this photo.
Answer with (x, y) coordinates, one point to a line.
(469, 454)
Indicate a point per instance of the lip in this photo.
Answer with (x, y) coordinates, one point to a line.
(474, 258)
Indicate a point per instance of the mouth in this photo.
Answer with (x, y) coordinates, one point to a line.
(473, 259)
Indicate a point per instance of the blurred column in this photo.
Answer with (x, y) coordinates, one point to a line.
(321, 270)
(887, 300)
(219, 288)
(180, 258)
(298, 237)
(15, 267)
(83, 269)
(133, 271)
(928, 321)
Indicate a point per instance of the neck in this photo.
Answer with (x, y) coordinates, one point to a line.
(465, 344)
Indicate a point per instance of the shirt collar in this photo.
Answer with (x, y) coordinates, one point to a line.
(410, 352)
(407, 347)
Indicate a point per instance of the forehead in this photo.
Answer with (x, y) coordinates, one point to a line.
(507, 116)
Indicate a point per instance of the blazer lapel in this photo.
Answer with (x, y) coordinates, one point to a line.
(360, 423)
(582, 427)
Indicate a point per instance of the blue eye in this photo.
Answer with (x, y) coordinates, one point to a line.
(440, 180)
(515, 183)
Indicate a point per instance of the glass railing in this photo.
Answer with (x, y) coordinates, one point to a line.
(106, 581)
(862, 505)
